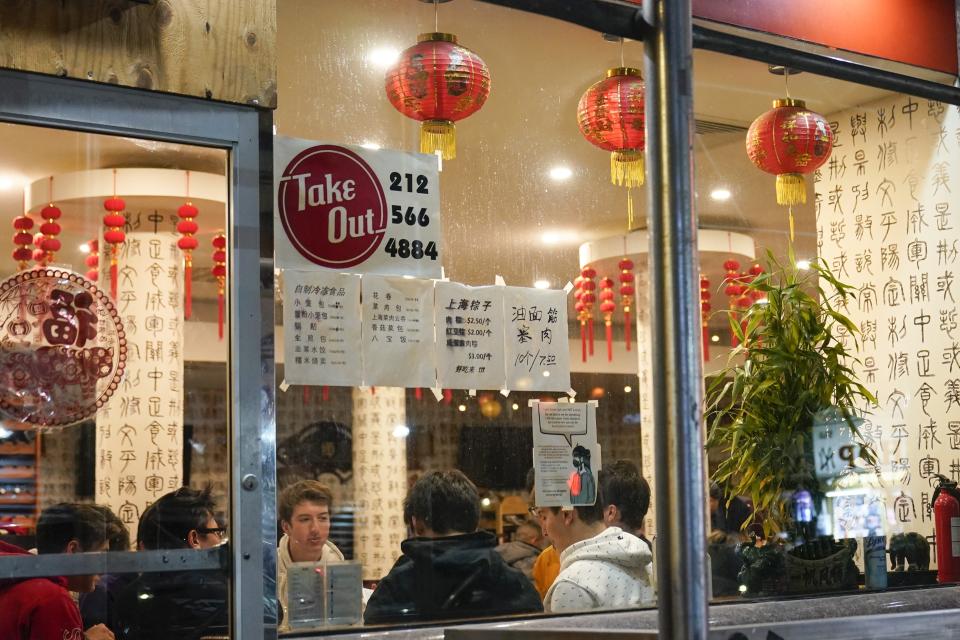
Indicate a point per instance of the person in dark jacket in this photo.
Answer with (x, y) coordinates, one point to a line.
(41, 608)
(183, 605)
(449, 569)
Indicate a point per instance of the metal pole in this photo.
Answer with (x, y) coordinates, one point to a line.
(675, 325)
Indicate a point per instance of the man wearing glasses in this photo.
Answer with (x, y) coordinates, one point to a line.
(182, 605)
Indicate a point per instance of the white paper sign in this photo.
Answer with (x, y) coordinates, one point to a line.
(398, 332)
(536, 352)
(469, 336)
(353, 209)
(321, 328)
(566, 455)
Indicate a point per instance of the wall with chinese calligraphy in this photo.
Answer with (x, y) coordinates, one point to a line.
(887, 224)
(140, 432)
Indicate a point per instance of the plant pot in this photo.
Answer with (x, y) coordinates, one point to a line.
(773, 570)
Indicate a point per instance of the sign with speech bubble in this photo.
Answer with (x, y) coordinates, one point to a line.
(566, 454)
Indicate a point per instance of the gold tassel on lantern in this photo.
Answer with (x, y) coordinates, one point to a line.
(439, 135)
(627, 168)
(791, 189)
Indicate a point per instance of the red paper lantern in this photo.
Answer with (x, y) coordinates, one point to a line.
(219, 271)
(611, 116)
(93, 260)
(114, 222)
(627, 291)
(50, 229)
(607, 307)
(187, 227)
(789, 141)
(22, 239)
(438, 82)
(588, 298)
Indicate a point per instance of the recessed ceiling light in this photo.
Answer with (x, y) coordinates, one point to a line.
(558, 237)
(714, 338)
(720, 194)
(803, 264)
(6, 182)
(546, 374)
(462, 407)
(383, 57)
(84, 248)
(373, 146)
(542, 284)
(401, 431)
(627, 389)
(485, 502)
(559, 174)
(515, 406)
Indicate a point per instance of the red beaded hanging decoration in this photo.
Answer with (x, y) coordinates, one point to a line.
(732, 290)
(114, 222)
(50, 229)
(187, 243)
(39, 255)
(219, 271)
(22, 239)
(93, 260)
(626, 296)
(755, 271)
(438, 82)
(705, 309)
(789, 141)
(607, 307)
(581, 315)
(588, 298)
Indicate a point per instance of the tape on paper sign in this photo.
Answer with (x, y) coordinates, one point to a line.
(437, 393)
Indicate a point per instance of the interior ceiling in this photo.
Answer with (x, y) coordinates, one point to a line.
(497, 199)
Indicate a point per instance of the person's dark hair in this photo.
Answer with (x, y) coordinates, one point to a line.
(67, 521)
(303, 491)
(531, 479)
(168, 521)
(445, 501)
(583, 453)
(622, 485)
(118, 536)
(588, 513)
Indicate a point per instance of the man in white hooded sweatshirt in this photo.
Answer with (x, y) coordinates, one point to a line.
(600, 567)
(304, 510)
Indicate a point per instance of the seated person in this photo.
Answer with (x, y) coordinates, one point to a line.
(185, 605)
(41, 608)
(600, 566)
(626, 498)
(304, 510)
(450, 569)
(99, 606)
(522, 552)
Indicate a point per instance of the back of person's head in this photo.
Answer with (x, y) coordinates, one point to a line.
(445, 501)
(303, 491)
(60, 524)
(118, 536)
(167, 523)
(528, 531)
(622, 486)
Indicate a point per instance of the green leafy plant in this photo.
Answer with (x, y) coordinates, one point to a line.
(789, 367)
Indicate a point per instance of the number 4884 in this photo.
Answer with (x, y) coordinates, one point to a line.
(415, 249)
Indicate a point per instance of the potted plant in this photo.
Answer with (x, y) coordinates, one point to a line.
(790, 371)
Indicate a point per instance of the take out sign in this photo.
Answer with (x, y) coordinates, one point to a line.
(351, 209)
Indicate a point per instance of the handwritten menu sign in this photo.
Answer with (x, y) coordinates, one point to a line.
(139, 444)
(469, 343)
(536, 352)
(398, 330)
(354, 209)
(321, 328)
(887, 208)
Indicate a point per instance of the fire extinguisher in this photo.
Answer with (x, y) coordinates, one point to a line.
(946, 517)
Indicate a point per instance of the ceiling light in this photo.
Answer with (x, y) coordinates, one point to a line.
(462, 407)
(401, 431)
(714, 338)
(84, 248)
(515, 406)
(373, 146)
(383, 57)
(559, 174)
(720, 195)
(558, 237)
(7, 182)
(485, 502)
(627, 389)
(803, 264)
(542, 284)
(546, 374)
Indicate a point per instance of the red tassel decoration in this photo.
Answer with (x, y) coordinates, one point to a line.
(447, 396)
(705, 309)
(626, 296)
(589, 298)
(93, 260)
(187, 227)
(325, 393)
(22, 239)
(418, 393)
(220, 273)
(607, 307)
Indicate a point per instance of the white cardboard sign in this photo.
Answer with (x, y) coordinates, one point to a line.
(398, 332)
(469, 345)
(536, 352)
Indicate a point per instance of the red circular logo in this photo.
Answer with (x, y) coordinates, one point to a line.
(332, 206)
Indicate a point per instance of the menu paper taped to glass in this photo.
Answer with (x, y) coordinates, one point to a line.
(398, 332)
(321, 328)
(469, 346)
(536, 352)
(352, 209)
(566, 454)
